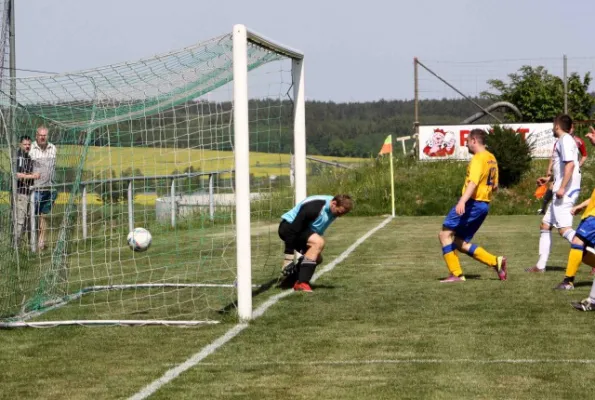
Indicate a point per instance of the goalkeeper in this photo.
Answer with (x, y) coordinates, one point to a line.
(301, 230)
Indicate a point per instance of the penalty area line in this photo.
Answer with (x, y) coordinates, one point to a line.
(209, 349)
(341, 363)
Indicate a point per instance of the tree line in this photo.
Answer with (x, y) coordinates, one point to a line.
(355, 129)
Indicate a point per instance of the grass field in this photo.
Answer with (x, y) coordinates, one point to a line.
(378, 326)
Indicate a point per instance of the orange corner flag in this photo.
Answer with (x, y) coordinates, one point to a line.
(387, 147)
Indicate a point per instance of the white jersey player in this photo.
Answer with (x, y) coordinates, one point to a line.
(567, 184)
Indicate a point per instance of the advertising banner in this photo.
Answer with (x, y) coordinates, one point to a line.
(448, 142)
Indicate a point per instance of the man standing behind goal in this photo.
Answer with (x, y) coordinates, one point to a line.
(43, 155)
(301, 229)
(25, 177)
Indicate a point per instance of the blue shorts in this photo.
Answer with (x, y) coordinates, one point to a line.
(586, 231)
(44, 200)
(465, 226)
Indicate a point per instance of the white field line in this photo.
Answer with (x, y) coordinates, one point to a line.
(399, 361)
(209, 349)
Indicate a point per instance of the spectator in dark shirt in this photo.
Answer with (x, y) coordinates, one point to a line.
(25, 177)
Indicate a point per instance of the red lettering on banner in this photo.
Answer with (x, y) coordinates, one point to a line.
(463, 137)
(523, 132)
(463, 133)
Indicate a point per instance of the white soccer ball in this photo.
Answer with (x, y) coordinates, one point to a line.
(139, 239)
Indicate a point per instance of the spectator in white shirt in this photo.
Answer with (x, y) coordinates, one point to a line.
(43, 157)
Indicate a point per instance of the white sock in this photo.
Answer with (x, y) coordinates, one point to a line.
(545, 245)
(569, 235)
(592, 294)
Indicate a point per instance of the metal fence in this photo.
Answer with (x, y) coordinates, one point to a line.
(130, 198)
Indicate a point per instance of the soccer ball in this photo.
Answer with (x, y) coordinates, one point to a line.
(139, 239)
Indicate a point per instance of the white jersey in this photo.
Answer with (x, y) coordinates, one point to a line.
(566, 150)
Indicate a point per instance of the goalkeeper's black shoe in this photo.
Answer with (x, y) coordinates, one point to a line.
(289, 269)
(287, 282)
(584, 305)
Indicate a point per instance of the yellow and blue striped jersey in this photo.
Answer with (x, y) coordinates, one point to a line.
(483, 171)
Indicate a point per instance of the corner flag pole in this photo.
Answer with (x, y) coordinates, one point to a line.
(387, 148)
(392, 177)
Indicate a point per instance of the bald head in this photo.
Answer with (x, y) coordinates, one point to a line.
(41, 137)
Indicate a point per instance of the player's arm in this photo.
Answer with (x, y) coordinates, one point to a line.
(581, 206)
(307, 214)
(568, 157)
(568, 169)
(475, 169)
(591, 135)
(550, 166)
(542, 180)
(471, 186)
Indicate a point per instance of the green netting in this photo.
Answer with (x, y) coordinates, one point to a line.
(108, 95)
(156, 121)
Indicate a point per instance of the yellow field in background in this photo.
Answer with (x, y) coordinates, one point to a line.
(164, 161)
(155, 161)
(145, 199)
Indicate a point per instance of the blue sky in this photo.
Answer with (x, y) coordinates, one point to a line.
(355, 51)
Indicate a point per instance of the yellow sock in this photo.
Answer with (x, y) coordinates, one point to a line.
(575, 258)
(452, 260)
(480, 254)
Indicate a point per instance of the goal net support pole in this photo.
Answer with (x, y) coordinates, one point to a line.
(241, 37)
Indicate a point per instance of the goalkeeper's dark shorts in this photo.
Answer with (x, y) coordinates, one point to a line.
(299, 242)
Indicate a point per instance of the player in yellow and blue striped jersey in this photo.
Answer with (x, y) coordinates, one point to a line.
(585, 236)
(463, 220)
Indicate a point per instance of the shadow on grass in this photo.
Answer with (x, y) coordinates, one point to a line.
(286, 283)
(260, 290)
(316, 287)
(467, 277)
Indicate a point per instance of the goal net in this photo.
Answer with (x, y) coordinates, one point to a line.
(193, 145)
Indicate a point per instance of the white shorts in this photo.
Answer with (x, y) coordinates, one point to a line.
(558, 212)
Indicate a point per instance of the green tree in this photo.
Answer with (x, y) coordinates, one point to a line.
(539, 95)
(512, 152)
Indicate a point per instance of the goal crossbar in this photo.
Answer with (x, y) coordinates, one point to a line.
(272, 45)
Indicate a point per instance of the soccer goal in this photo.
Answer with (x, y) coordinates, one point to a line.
(194, 145)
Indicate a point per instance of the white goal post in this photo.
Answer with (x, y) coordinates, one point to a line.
(241, 37)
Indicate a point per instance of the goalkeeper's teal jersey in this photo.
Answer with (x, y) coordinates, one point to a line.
(325, 216)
